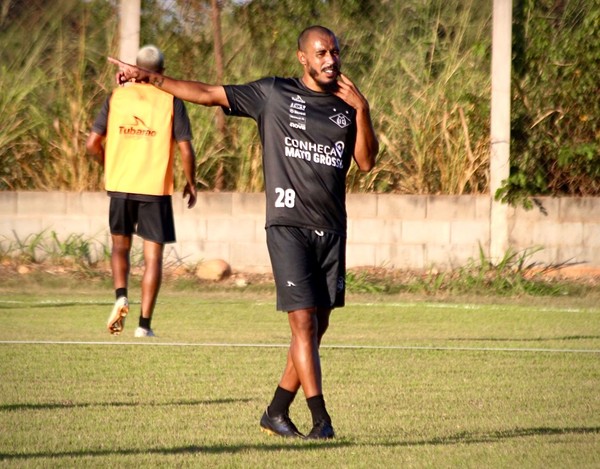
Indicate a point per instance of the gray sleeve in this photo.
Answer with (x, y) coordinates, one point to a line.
(182, 127)
(101, 123)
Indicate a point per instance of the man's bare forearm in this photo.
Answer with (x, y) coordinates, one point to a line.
(192, 91)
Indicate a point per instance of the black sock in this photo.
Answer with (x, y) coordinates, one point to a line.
(119, 292)
(145, 322)
(282, 400)
(316, 404)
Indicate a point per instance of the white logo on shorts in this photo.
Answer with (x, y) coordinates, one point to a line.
(290, 284)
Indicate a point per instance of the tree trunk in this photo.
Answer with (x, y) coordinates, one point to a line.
(129, 30)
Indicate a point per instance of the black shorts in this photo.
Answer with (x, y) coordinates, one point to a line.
(153, 221)
(309, 267)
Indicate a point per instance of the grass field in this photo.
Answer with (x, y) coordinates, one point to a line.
(409, 383)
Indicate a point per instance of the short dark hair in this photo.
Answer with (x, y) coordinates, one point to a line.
(302, 38)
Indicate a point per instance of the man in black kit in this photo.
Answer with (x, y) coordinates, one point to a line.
(310, 128)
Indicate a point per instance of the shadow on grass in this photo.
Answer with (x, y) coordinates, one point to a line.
(531, 339)
(51, 304)
(73, 405)
(465, 438)
(291, 445)
(300, 445)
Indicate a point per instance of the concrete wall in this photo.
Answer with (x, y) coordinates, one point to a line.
(394, 231)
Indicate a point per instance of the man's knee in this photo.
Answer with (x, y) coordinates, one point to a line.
(153, 252)
(303, 321)
(121, 243)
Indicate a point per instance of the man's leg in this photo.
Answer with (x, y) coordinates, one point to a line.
(308, 327)
(120, 265)
(303, 368)
(151, 281)
(321, 420)
(119, 260)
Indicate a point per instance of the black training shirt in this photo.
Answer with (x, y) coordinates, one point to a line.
(308, 143)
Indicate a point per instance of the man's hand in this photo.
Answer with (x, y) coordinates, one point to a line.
(190, 192)
(366, 146)
(128, 72)
(348, 92)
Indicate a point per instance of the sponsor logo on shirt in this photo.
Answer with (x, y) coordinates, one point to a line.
(297, 113)
(137, 129)
(315, 152)
(339, 148)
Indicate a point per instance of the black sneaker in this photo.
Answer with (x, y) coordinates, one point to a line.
(321, 430)
(279, 425)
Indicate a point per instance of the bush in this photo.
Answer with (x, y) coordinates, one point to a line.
(556, 116)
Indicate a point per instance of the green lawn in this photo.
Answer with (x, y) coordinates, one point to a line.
(408, 383)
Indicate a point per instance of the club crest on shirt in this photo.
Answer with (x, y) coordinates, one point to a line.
(340, 120)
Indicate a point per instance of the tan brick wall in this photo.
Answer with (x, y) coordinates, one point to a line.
(395, 231)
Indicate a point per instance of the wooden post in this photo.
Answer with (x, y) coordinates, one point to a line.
(129, 30)
(500, 124)
(220, 117)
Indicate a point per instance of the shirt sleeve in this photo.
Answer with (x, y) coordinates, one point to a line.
(182, 127)
(248, 100)
(101, 123)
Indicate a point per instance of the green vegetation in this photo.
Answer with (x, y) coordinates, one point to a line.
(423, 65)
(515, 274)
(45, 247)
(408, 384)
(555, 125)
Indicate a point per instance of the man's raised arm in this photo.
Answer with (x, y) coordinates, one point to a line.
(192, 91)
(367, 145)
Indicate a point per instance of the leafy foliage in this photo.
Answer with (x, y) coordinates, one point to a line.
(51, 73)
(513, 275)
(556, 118)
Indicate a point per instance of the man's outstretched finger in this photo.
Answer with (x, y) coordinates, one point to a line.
(114, 61)
(125, 69)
